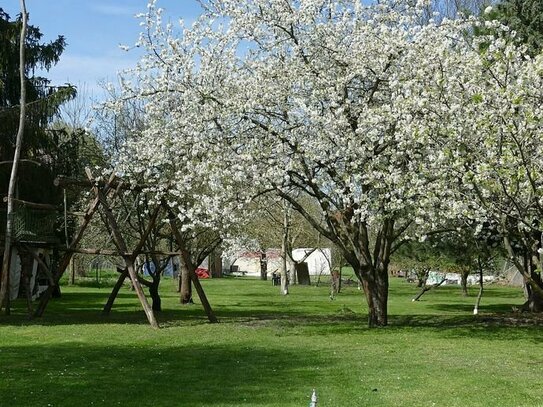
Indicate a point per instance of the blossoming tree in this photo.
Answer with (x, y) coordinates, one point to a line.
(497, 149)
(350, 106)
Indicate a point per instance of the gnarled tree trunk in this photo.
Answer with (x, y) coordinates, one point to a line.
(533, 282)
(185, 284)
(155, 296)
(375, 286)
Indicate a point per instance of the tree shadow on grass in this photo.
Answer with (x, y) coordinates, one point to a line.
(504, 326)
(309, 317)
(159, 375)
(468, 308)
(86, 308)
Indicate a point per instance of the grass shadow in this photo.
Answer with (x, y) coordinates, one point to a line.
(160, 375)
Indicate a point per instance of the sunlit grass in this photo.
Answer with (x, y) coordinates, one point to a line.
(271, 350)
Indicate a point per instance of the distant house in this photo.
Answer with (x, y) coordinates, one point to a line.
(247, 263)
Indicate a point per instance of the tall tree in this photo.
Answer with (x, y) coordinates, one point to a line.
(495, 149)
(330, 100)
(525, 17)
(43, 100)
(15, 165)
(27, 106)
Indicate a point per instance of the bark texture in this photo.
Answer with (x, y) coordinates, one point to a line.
(4, 281)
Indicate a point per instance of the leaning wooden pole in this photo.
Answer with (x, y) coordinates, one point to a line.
(115, 291)
(135, 253)
(4, 287)
(193, 277)
(427, 288)
(122, 247)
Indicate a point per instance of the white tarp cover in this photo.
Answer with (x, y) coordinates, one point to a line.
(14, 274)
(248, 263)
(318, 261)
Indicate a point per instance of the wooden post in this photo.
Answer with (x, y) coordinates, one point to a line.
(72, 274)
(137, 250)
(115, 291)
(40, 262)
(194, 278)
(122, 247)
(27, 263)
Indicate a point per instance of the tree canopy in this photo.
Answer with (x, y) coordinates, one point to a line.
(54, 150)
(393, 127)
(525, 17)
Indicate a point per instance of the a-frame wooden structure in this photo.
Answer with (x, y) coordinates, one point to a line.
(104, 192)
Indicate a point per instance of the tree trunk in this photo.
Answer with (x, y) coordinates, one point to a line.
(263, 265)
(340, 277)
(185, 284)
(334, 284)
(285, 248)
(291, 267)
(422, 277)
(534, 302)
(185, 259)
(375, 287)
(464, 282)
(72, 271)
(155, 296)
(533, 282)
(377, 297)
(427, 288)
(284, 264)
(480, 295)
(4, 281)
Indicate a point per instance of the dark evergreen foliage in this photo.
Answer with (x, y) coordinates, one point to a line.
(46, 153)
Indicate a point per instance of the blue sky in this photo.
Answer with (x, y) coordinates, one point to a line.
(93, 30)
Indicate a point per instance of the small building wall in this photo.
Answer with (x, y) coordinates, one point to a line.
(318, 262)
(248, 263)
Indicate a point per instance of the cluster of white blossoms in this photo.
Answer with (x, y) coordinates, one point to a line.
(361, 107)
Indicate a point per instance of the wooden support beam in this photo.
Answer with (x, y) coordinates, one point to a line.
(133, 255)
(41, 263)
(109, 252)
(187, 259)
(115, 291)
(146, 233)
(32, 205)
(27, 264)
(23, 160)
(122, 247)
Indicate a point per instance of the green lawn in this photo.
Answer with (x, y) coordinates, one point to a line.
(271, 350)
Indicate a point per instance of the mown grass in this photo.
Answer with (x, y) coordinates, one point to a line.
(270, 350)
